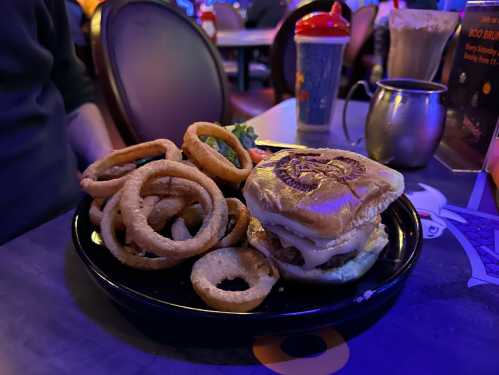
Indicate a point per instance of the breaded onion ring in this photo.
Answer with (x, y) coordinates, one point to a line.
(145, 236)
(193, 216)
(237, 209)
(179, 230)
(117, 171)
(211, 161)
(172, 187)
(95, 212)
(164, 210)
(147, 205)
(241, 214)
(189, 163)
(123, 253)
(104, 189)
(179, 193)
(229, 264)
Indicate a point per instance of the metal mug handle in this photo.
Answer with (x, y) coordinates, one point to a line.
(345, 109)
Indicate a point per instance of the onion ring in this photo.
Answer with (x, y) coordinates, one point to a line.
(237, 209)
(193, 216)
(123, 253)
(179, 230)
(147, 205)
(104, 189)
(228, 264)
(242, 216)
(145, 236)
(95, 212)
(211, 161)
(189, 163)
(179, 193)
(164, 210)
(117, 171)
(172, 187)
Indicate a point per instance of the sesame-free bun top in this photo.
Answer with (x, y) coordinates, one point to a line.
(320, 193)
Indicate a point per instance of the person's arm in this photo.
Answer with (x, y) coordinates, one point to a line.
(88, 134)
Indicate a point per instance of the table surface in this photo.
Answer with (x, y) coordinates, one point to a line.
(245, 38)
(53, 320)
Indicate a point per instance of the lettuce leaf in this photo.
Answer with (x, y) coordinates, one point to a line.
(245, 134)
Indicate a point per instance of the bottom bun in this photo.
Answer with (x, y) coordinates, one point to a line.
(351, 270)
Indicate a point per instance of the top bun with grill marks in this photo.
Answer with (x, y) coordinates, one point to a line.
(320, 193)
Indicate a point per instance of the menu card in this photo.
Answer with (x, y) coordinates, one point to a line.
(473, 96)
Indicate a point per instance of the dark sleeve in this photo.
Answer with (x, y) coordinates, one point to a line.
(254, 14)
(69, 73)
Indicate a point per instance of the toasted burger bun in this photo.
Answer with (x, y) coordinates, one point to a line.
(351, 270)
(320, 193)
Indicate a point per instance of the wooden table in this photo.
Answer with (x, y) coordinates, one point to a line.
(54, 320)
(244, 41)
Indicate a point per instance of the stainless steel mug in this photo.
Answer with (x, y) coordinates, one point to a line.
(405, 121)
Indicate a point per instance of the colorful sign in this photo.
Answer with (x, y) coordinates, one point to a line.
(473, 111)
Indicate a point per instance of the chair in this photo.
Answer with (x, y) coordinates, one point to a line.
(160, 72)
(283, 64)
(228, 18)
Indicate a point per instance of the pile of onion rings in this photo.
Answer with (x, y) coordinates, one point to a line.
(154, 214)
(237, 210)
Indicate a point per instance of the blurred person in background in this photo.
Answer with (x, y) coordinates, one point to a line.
(265, 14)
(46, 116)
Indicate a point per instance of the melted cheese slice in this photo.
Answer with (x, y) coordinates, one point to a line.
(315, 256)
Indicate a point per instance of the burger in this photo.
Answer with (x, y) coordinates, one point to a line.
(316, 212)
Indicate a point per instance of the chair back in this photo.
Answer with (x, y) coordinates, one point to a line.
(228, 18)
(159, 70)
(362, 27)
(283, 53)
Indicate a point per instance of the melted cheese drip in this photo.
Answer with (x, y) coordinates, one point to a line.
(315, 256)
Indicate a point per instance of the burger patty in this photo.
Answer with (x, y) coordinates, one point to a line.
(292, 255)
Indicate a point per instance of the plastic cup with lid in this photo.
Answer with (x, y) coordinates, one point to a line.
(320, 39)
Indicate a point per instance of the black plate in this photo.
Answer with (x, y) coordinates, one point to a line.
(167, 296)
